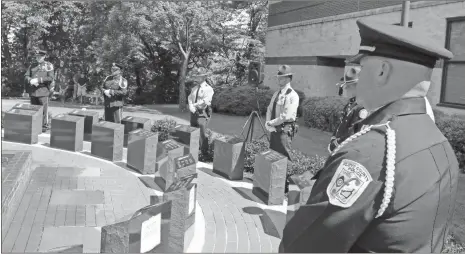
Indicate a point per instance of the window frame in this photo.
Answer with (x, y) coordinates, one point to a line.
(442, 101)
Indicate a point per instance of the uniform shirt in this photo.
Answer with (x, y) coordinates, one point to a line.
(118, 89)
(45, 75)
(286, 106)
(202, 99)
(422, 203)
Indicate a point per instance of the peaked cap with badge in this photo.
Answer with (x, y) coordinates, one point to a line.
(390, 187)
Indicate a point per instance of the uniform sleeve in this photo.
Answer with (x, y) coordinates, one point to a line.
(48, 78)
(290, 110)
(208, 96)
(190, 100)
(270, 107)
(27, 75)
(343, 202)
(122, 90)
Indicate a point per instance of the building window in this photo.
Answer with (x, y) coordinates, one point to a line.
(453, 78)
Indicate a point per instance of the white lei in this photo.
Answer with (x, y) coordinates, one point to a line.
(390, 161)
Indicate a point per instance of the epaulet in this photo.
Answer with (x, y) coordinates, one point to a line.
(124, 83)
(48, 66)
(289, 90)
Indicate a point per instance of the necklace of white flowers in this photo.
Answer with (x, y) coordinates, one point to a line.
(390, 161)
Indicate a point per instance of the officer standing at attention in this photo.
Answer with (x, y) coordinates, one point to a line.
(39, 77)
(114, 88)
(199, 102)
(281, 114)
(352, 112)
(390, 187)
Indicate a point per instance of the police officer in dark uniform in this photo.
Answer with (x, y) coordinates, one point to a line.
(39, 77)
(352, 112)
(114, 88)
(390, 187)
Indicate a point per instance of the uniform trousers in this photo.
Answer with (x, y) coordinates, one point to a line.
(281, 142)
(42, 101)
(113, 114)
(201, 122)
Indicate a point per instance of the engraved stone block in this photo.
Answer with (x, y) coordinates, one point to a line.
(38, 108)
(175, 169)
(300, 188)
(142, 150)
(107, 140)
(190, 137)
(22, 126)
(146, 231)
(90, 118)
(165, 148)
(132, 123)
(183, 195)
(228, 158)
(269, 177)
(67, 132)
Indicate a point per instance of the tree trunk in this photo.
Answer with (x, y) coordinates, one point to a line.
(182, 82)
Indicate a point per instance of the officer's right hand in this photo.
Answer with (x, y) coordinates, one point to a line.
(34, 82)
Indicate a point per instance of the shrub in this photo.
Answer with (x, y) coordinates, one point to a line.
(251, 149)
(241, 100)
(323, 113)
(452, 126)
(164, 127)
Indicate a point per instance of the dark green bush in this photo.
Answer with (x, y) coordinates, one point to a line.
(251, 149)
(241, 100)
(164, 127)
(453, 128)
(323, 113)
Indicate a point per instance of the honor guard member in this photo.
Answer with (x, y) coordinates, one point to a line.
(281, 114)
(390, 187)
(199, 102)
(39, 77)
(114, 88)
(352, 112)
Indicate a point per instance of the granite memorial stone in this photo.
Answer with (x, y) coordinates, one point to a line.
(300, 188)
(189, 137)
(147, 231)
(132, 123)
(38, 108)
(22, 126)
(67, 132)
(165, 148)
(142, 150)
(90, 118)
(175, 169)
(107, 140)
(269, 177)
(183, 195)
(228, 158)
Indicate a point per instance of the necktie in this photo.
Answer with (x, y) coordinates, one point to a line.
(273, 112)
(197, 94)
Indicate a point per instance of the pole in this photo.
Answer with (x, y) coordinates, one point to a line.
(405, 13)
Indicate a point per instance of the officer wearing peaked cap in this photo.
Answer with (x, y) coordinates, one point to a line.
(391, 186)
(39, 78)
(352, 112)
(114, 88)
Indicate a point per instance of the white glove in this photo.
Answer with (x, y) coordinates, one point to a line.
(269, 127)
(34, 82)
(107, 93)
(192, 108)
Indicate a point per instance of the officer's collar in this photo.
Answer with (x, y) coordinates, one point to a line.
(401, 107)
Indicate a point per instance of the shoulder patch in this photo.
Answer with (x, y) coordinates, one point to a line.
(124, 83)
(48, 66)
(348, 183)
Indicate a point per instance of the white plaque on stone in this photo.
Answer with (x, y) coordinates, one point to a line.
(192, 200)
(150, 233)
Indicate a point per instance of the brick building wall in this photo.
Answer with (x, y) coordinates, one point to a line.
(316, 48)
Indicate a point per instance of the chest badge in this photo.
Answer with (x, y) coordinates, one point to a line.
(363, 113)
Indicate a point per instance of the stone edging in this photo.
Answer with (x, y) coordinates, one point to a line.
(395, 8)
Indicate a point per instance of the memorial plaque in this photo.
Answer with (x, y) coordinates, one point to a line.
(183, 195)
(107, 140)
(300, 188)
(67, 132)
(90, 118)
(190, 138)
(175, 169)
(269, 178)
(165, 148)
(38, 108)
(132, 123)
(146, 231)
(22, 126)
(228, 158)
(142, 150)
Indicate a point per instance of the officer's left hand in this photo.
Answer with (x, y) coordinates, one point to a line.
(34, 82)
(107, 93)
